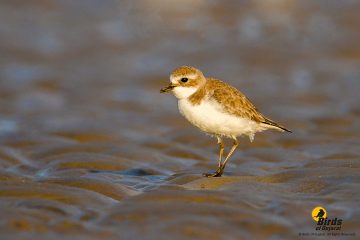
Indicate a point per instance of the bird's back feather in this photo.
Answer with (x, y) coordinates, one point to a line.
(236, 103)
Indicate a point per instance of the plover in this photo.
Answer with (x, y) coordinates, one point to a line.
(218, 109)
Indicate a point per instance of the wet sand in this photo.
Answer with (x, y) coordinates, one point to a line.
(89, 149)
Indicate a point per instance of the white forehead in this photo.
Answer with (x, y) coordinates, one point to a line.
(175, 79)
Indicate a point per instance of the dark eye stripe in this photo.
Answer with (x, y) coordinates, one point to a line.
(184, 80)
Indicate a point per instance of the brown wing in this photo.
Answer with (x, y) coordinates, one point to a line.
(233, 100)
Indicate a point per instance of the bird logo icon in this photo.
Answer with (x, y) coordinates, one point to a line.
(318, 212)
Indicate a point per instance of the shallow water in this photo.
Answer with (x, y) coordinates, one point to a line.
(89, 149)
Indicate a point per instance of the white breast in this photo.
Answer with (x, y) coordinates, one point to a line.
(210, 117)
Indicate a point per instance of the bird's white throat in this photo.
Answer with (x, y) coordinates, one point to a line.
(184, 92)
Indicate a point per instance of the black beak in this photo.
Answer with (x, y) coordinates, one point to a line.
(167, 88)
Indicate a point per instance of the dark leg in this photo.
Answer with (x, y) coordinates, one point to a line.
(221, 167)
(235, 145)
(221, 153)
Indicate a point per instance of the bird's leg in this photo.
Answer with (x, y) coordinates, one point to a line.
(221, 153)
(221, 168)
(235, 145)
(221, 150)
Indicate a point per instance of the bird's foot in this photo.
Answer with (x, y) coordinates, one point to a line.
(218, 173)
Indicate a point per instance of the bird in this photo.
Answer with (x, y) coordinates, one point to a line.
(218, 109)
(320, 214)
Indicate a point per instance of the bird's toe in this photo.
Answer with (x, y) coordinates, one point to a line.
(218, 173)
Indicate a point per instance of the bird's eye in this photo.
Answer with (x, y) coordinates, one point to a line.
(184, 79)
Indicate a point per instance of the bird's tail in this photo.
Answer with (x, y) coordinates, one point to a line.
(275, 125)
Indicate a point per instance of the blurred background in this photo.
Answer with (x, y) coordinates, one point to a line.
(90, 149)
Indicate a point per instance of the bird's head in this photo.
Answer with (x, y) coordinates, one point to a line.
(184, 81)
